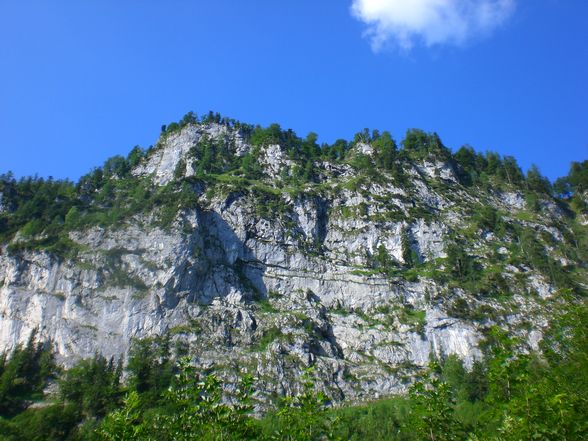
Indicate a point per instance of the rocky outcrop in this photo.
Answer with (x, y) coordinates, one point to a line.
(273, 292)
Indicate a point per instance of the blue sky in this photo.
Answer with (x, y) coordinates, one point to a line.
(84, 80)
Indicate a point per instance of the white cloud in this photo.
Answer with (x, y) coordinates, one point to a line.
(432, 22)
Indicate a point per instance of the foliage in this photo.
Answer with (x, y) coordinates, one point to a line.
(382, 419)
(197, 412)
(419, 145)
(383, 261)
(385, 151)
(477, 169)
(536, 182)
(575, 186)
(23, 375)
(432, 413)
(409, 256)
(509, 395)
(150, 368)
(460, 264)
(194, 411)
(487, 218)
(125, 423)
(34, 204)
(305, 416)
(51, 423)
(93, 386)
(268, 337)
(40, 213)
(578, 176)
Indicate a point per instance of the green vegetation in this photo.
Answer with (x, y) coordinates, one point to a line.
(409, 256)
(268, 337)
(40, 213)
(23, 375)
(507, 396)
(416, 319)
(92, 386)
(489, 169)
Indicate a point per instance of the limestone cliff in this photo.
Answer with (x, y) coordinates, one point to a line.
(348, 271)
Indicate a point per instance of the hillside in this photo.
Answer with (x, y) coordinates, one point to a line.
(255, 250)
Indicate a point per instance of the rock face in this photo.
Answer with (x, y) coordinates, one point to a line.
(273, 291)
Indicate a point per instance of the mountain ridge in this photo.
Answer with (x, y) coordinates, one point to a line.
(253, 248)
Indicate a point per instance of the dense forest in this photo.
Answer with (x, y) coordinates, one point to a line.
(511, 394)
